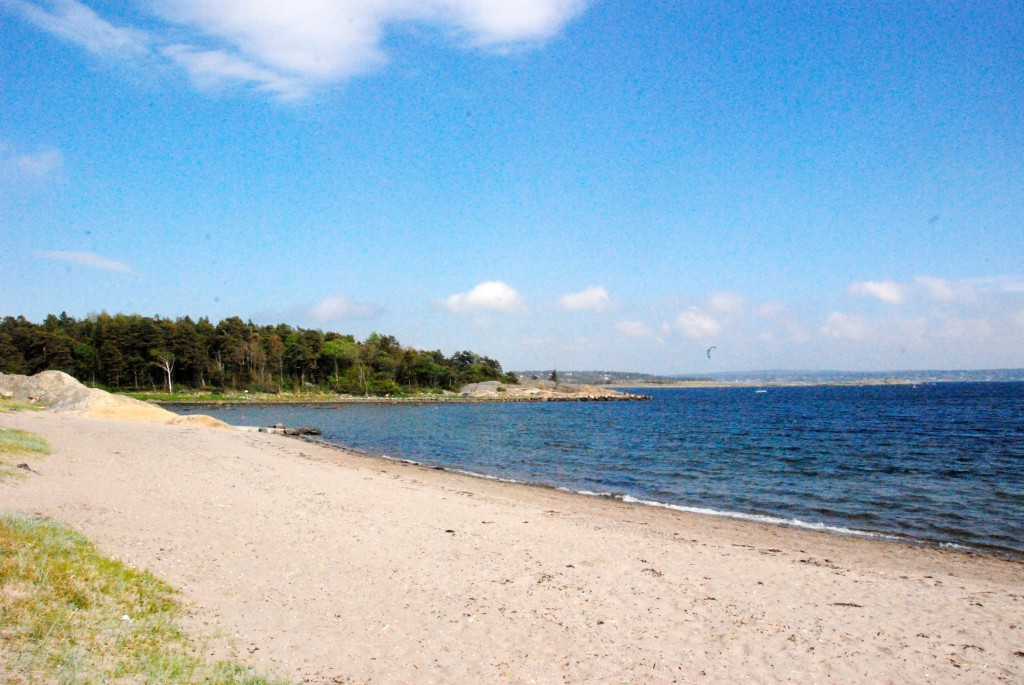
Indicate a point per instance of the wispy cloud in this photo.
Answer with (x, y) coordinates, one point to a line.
(90, 259)
(594, 298)
(491, 296)
(311, 40)
(338, 307)
(79, 24)
(696, 324)
(1007, 284)
(289, 50)
(639, 330)
(943, 291)
(214, 69)
(886, 291)
(770, 309)
(841, 326)
(727, 303)
(634, 329)
(937, 289)
(40, 165)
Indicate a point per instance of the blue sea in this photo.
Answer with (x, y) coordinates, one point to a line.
(938, 464)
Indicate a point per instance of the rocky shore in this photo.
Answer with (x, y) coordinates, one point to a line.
(544, 391)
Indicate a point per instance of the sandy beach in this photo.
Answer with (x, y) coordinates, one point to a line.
(330, 567)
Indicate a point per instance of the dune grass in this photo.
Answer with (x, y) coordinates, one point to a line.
(15, 446)
(70, 615)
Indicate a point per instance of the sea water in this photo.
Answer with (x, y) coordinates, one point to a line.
(938, 464)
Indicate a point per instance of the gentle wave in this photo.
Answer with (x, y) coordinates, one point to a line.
(761, 518)
(936, 464)
(703, 511)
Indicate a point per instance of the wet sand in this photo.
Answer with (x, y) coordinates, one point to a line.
(332, 567)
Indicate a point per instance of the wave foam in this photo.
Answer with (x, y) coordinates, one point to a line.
(761, 518)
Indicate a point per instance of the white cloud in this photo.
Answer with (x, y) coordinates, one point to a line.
(727, 303)
(286, 49)
(595, 298)
(315, 40)
(499, 22)
(938, 289)
(886, 291)
(634, 329)
(845, 327)
(1006, 284)
(40, 165)
(216, 68)
(695, 324)
(338, 307)
(489, 296)
(81, 25)
(86, 259)
(966, 329)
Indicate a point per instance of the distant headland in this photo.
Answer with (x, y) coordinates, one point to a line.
(620, 379)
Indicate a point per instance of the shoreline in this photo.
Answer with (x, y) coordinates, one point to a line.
(628, 502)
(327, 564)
(271, 400)
(394, 400)
(1007, 554)
(867, 382)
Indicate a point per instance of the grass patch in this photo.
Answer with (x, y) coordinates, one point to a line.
(70, 615)
(16, 444)
(7, 406)
(177, 397)
(15, 441)
(239, 397)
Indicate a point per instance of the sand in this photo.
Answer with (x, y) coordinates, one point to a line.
(331, 567)
(59, 391)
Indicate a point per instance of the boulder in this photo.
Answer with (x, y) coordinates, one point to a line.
(45, 388)
(483, 388)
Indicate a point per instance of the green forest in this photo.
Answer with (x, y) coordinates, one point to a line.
(140, 353)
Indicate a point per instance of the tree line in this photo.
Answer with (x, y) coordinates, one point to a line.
(133, 352)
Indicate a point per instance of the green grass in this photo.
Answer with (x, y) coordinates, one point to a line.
(7, 405)
(71, 615)
(15, 445)
(187, 396)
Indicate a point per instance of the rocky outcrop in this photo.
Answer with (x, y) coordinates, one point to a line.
(45, 388)
(543, 391)
(59, 392)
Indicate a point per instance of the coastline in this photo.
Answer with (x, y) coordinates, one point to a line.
(299, 400)
(760, 519)
(624, 387)
(426, 399)
(323, 564)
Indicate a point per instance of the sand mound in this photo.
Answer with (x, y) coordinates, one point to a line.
(59, 392)
(198, 420)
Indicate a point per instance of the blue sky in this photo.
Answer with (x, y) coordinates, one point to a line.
(554, 183)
